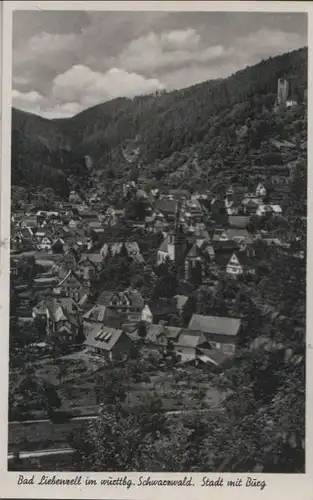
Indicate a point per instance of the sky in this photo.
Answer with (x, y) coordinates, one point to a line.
(66, 61)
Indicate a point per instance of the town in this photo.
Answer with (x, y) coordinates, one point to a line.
(151, 301)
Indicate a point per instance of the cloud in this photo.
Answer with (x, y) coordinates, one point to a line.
(44, 54)
(81, 84)
(170, 49)
(34, 102)
(266, 42)
(27, 100)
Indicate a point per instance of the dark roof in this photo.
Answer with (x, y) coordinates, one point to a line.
(214, 324)
(104, 297)
(243, 258)
(212, 355)
(103, 337)
(193, 252)
(166, 205)
(224, 246)
(95, 258)
(236, 234)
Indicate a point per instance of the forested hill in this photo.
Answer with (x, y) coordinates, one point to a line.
(217, 124)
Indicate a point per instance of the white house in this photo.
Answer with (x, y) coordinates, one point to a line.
(260, 190)
(234, 267)
(45, 243)
(146, 314)
(167, 249)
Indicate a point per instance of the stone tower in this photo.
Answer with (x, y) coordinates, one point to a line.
(282, 91)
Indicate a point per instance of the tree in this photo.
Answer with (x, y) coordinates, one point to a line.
(142, 439)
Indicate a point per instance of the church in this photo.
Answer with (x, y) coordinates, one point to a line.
(173, 248)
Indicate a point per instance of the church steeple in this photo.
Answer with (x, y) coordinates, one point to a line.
(180, 243)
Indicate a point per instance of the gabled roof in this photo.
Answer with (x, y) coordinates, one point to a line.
(189, 338)
(244, 259)
(68, 276)
(180, 301)
(215, 324)
(193, 252)
(96, 313)
(172, 332)
(164, 245)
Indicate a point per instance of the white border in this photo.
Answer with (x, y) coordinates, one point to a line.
(278, 485)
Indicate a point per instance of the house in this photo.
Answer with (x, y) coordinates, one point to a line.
(251, 207)
(155, 339)
(239, 221)
(276, 210)
(187, 343)
(180, 302)
(263, 210)
(220, 332)
(163, 309)
(73, 223)
(130, 248)
(240, 262)
(290, 103)
(194, 208)
(124, 306)
(69, 260)
(239, 236)
(71, 286)
(260, 190)
(61, 319)
(30, 224)
(45, 243)
(167, 207)
(91, 261)
(45, 283)
(110, 343)
(58, 245)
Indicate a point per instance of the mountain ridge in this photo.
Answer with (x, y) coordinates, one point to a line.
(172, 123)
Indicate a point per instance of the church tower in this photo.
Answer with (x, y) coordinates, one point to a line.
(177, 243)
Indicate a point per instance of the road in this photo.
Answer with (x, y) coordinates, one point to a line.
(95, 416)
(42, 453)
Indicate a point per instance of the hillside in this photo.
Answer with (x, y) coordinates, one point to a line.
(218, 127)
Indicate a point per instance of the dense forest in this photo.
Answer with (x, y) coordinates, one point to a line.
(215, 127)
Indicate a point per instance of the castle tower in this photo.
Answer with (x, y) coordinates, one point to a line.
(282, 91)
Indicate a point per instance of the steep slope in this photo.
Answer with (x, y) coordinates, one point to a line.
(190, 130)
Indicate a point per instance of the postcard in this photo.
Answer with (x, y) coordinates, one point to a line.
(155, 272)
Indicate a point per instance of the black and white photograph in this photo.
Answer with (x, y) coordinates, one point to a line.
(158, 243)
